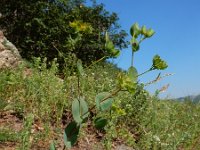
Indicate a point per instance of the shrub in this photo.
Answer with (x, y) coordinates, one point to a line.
(59, 29)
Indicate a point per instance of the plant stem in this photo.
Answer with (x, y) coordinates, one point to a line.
(79, 88)
(97, 61)
(142, 39)
(64, 147)
(132, 59)
(145, 72)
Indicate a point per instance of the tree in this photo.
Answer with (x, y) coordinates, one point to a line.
(59, 29)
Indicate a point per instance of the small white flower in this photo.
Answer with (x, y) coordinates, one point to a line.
(156, 138)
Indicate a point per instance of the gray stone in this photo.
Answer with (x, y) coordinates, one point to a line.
(9, 55)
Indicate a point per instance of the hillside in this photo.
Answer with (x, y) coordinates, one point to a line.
(193, 98)
(35, 109)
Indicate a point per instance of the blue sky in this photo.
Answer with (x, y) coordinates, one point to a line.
(177, 40)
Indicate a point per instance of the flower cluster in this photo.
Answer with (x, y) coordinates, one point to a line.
(158, 63)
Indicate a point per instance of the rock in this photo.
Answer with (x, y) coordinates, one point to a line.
(9, 55)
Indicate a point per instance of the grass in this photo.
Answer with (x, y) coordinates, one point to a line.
(7, 135)
(42, 102)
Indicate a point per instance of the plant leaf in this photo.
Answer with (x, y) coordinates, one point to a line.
(107, 37)
(71, 134)
(102, 103)
(79, 110)
(115, 53)
(132, 74)
(100, 122)
(80, 67)
(52, 146)
(83, 109)
(76, 111)
(109, 46)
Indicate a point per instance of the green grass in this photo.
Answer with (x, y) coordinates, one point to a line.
(141, 121)
(7, 135)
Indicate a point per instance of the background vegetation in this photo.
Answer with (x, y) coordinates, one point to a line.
(42, 102)
(60, 29)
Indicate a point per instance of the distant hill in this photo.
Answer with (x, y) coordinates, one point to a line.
(193, 98)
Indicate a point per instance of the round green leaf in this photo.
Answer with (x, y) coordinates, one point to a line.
(132, 74)
(103, 102)
(79, 110)
(71, 134)
(76, 111)
(83, 109)
(100, 123)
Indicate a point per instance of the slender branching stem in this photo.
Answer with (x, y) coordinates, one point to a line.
(142, 39)
(132, 59)
(97, 61)
(79, 90)
(146, 72)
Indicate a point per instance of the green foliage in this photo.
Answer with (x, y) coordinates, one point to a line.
(100, 122)
(7, 135)
(138, 35)
(110, 47)
(172, 125)
(80, 68)
(135, 30)
(110, 104)
(59, 29)
(103, 101)
(125, 83)
(71, 134)
(132, 74)
(138, 120)
(79, 110)
(27, 132)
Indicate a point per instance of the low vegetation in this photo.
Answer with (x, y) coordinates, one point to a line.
(36, 104)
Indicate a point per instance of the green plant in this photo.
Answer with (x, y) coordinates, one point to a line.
(41, 28)
(26, 134)
(7, 135)
(104, 100)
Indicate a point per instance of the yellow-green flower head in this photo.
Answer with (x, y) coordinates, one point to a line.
(147, 32)
(135, 30)
(158, 63)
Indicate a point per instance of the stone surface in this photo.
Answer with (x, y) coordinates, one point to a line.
(9, 55)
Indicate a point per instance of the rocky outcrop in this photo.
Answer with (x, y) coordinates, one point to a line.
(9, 55)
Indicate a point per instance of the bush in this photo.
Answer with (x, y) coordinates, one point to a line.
(59, 29)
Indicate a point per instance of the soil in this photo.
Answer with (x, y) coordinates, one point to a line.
(91, 140)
